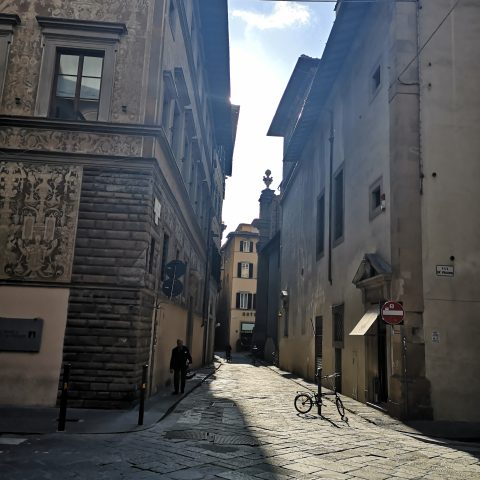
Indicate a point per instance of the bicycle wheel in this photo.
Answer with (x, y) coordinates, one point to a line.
(303, 403)
(340, 407)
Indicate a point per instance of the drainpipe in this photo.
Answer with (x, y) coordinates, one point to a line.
(330, 197)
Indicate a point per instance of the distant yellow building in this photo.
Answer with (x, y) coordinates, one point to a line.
(237, 301)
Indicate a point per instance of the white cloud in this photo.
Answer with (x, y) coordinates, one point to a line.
(284, 14)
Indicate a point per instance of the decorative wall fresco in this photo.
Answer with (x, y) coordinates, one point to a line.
(70, 141)
(38, 219)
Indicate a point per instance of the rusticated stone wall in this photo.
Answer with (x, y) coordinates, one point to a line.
(114, 225)
(107, 341)
(26, 50)
(109, 317)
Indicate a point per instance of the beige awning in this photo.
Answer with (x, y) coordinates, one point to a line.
(361, 328)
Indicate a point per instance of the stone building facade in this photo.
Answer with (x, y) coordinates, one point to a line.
(384, 159)
(237, 302)
(270, 300)
(116, 134)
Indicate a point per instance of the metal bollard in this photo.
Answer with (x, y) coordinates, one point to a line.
(62, 416)
(319, 393)
(143, 387)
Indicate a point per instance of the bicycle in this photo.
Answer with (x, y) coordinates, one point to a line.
(304, 401)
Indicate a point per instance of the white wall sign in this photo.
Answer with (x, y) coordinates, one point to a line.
(435, 337)
(445, 270)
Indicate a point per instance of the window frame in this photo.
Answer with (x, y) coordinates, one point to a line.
(244, 301)
(337, 240)
(338, 319)
(374, 211)
(81, 55)
(249, 243)
(320, 236)
(172, 18)
(77, 35)
(7, 24)
(375, 87)
(165, 252)
(245, 266)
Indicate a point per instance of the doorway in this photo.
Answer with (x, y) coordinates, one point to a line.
(382, 388)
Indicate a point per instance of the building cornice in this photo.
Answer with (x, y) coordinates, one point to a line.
(9, 19)
(80, 126)
(84, 25)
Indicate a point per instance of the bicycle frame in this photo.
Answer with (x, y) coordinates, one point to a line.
(306, 400)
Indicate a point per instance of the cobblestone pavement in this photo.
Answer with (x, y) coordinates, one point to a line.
(241, 425)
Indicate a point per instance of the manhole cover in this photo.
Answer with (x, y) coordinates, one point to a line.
(234, 440)
(189, 435)
(222, 404)
(217, 439)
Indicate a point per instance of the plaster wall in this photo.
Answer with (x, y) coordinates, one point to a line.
(171, 325)
(32, 378)
(450, 115)
(232, 284)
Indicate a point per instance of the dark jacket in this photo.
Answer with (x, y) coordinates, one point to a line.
(179, 359)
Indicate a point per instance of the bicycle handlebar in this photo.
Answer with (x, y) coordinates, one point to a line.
(333, 375)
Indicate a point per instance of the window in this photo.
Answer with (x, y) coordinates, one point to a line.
(172, 17)
(245, 301)
(169, 103)
(77, 72)
(375, 198)
(76, 86)
(338, 327)
(320, 225)
(285, 323)
(376, 80)
(166, 241)
(7, 22)
(151, 255)
(338, 207)
(245, 270)
(246, 246)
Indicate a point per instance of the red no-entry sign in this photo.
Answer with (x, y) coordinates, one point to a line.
(392, 313)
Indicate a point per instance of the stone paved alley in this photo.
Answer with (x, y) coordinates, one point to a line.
(241, 425)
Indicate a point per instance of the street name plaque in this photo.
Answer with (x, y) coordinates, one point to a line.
(20, 334)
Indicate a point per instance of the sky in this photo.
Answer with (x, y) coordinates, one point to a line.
(266, 39)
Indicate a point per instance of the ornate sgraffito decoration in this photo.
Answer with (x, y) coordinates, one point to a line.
(38, 218)
(70, 142)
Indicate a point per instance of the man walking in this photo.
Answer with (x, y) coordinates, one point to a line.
(178, 365)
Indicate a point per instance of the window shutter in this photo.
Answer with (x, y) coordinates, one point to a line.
(254, 306)
(250, 301)
(241, 245)
(238, 300)
(250, 270)
(239, 270)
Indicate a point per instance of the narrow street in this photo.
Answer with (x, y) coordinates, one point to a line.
(239, 425)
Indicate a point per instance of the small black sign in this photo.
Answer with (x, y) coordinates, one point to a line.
(20, 334)
(175, 269)
(172, 288)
